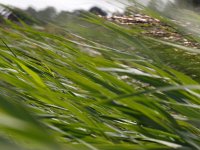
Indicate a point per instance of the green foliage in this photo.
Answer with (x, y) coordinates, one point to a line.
(70, 91)
(18, 15)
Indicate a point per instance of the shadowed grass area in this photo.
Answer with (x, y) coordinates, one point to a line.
(67, 91)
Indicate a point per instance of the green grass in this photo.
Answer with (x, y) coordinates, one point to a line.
(63, 91)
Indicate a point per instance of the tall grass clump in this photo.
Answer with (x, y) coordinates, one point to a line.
(64, 90)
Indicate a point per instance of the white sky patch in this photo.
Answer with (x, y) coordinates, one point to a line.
(67, 5)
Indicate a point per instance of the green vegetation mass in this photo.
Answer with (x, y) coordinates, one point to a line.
(92, 84)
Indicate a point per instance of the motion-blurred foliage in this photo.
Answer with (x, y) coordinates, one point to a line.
(94, 84)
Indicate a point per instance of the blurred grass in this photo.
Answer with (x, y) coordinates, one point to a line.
(102, 87)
